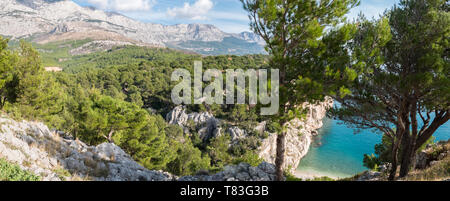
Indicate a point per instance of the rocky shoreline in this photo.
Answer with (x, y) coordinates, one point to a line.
(298, 139)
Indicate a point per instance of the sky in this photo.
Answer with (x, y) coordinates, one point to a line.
(228, 15)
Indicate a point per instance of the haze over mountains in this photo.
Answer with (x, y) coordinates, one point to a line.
(45, 21)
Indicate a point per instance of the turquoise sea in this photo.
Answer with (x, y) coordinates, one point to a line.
(338, 152)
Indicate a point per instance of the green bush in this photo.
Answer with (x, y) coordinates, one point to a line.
(371, 161)
(12, 172)
(189, 161)
(250, 157)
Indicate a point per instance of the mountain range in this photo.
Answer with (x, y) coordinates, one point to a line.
(45, 21)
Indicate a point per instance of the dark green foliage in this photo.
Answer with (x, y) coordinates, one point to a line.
(189, 160)
(290, 177)
(246, 144)
(382, 154)
(249, 157)
(32, 93)
(7, 61)
(218, 150)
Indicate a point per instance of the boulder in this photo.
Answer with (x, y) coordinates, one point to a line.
(369, 176)
(236, 133)
(240, 172)
(422, 160)
(206, 123)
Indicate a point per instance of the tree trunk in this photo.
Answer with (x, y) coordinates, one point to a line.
(408, 156)
(109, 137)
(394, 162)
(396, 140)
(279, 160)
(2, 102)
(406, 152)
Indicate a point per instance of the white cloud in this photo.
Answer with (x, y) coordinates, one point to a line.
(123, 5)
(196, 11)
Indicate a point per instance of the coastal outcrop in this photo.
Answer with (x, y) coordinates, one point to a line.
(299, 136)
(298, 139)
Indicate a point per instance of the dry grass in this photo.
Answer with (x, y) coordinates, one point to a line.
(51, 147)
(438, 171)
(90, 162)
(77, 177)
(62, 173)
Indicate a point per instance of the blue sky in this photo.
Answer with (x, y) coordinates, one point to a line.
(228, 15)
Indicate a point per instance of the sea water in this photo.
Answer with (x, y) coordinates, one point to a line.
(338, 152)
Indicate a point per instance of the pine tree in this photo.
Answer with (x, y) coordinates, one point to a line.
(34, 92)
(7, 61)
(403, 90)
(292, 30)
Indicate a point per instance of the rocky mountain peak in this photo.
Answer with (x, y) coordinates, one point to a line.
(57, 20)
(34, 4)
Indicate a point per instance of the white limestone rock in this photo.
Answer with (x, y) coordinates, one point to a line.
(35, 148)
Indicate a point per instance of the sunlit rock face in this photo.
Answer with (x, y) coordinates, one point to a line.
(299, 136)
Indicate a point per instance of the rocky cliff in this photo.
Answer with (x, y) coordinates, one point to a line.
(298, 139)
(54, 157)
(299, 136)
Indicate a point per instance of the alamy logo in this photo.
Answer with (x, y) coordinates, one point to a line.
(235, 90)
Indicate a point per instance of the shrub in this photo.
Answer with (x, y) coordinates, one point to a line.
(12, 172)
(249, 157)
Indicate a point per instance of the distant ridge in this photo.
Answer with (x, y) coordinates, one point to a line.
(55, 20)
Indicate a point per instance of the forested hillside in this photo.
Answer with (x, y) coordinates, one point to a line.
(122, 96)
